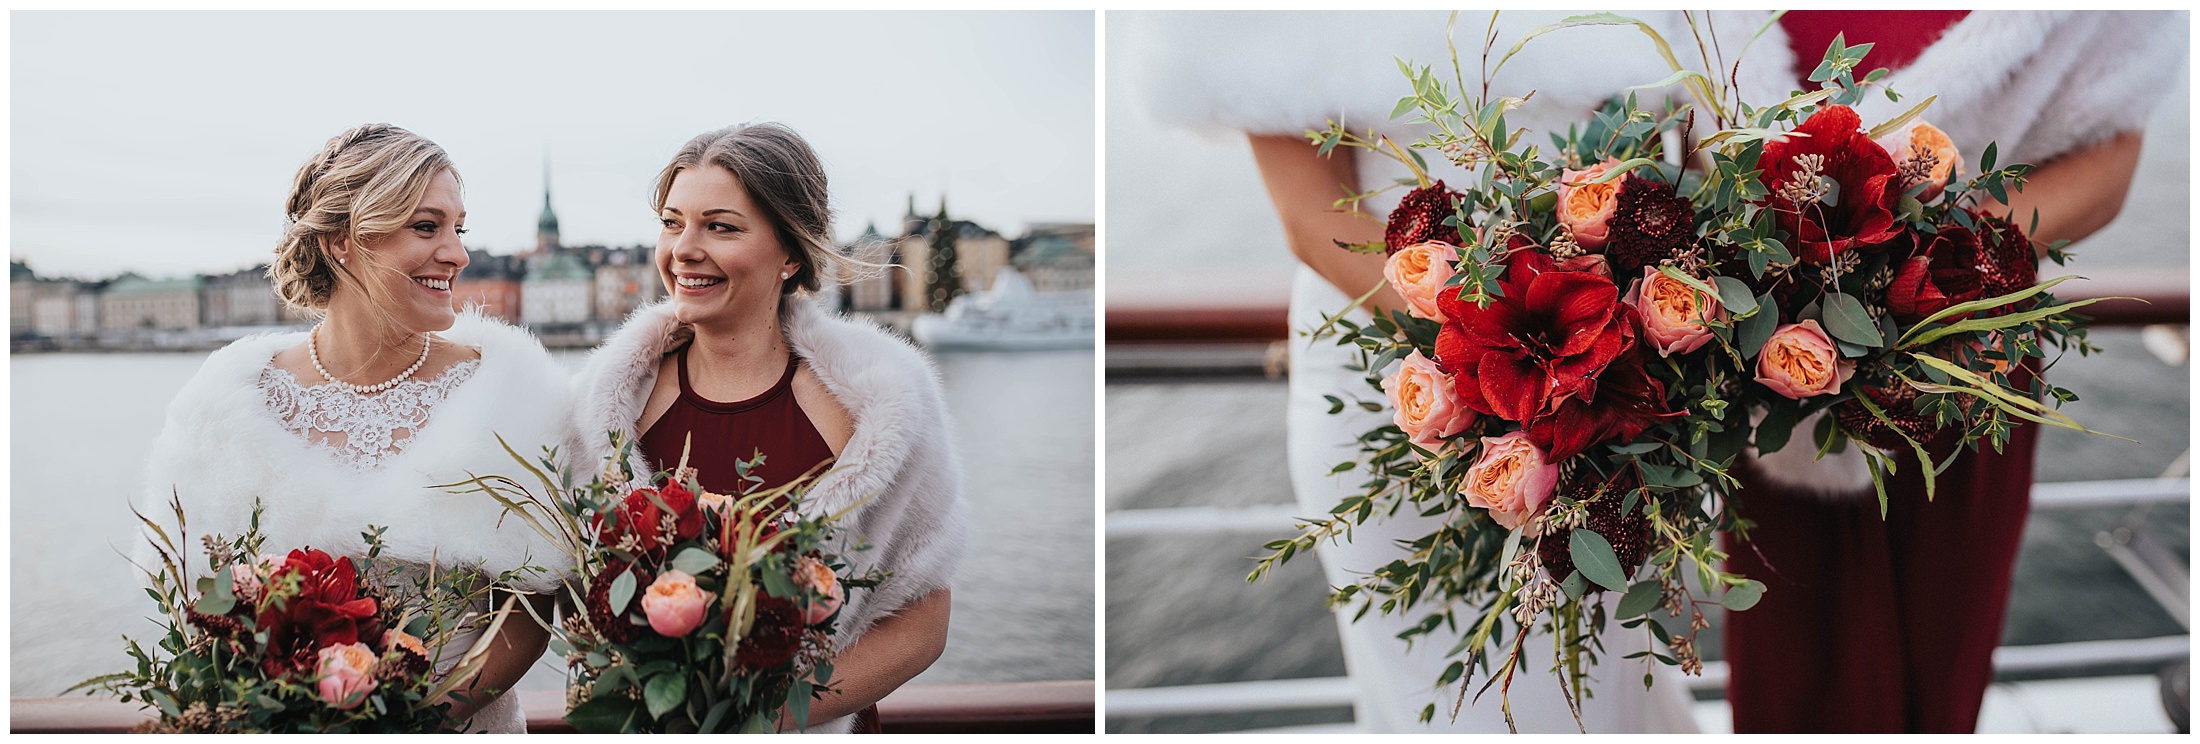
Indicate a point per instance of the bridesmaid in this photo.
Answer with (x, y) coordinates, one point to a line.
(743, 358)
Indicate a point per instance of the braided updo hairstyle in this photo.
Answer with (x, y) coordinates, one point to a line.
(364, 184)
(783, 176)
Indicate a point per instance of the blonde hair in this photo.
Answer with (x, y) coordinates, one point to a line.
(783, 176)
(364, 184)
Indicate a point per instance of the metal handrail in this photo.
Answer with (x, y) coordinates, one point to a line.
(1064, 706)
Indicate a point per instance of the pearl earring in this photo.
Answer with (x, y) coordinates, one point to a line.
(785, 274)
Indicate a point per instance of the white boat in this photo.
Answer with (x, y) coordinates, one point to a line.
(1010, 317)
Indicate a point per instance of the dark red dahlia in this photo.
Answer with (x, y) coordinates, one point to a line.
(1419, 218)
(775, 637)
(2006, 262)
(1943, 271)
(614, 626)
(1898, 402)
(1833, 146)
(1651, 223)
(1547, 338)
(1629, 535)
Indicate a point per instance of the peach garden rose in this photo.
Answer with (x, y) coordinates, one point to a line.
(1674, 315)
(1418, 273)
(674, 604)
(812, 574)
(1586, 208)
(346, 673)
(1426, 401)
(1920, 140)
(1511, 480)
(1799, 362)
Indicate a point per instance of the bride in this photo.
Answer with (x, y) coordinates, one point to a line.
(352, 423)
(744, 358)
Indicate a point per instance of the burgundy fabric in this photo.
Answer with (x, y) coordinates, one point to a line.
(867, 722)
(1871, 625)
(1897, 36)
(727, 433)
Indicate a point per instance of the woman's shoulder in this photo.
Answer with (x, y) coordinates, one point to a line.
(856, 351)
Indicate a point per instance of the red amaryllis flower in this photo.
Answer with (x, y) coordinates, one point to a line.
(640, 516)
(1419, 218)
(1651, 223)
(613, 626)
(2006, 262)
(1619, 403)
(1545, 340)
(1629, 535)
(1942, 272)
(1862, 210)
(775, 637)
(326, 611)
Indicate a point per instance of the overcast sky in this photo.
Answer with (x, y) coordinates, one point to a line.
(165, 142)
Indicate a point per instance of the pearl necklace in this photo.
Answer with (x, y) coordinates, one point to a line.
(315, 354)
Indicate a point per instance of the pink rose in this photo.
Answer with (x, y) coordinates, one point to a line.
(346, 673)
(244, 583)
(1674, 315)
(674, 604)
(1511, 480)
(812, 574)
(1418, 273)
(1426, 401)
(1586, 208)
(1800, 362)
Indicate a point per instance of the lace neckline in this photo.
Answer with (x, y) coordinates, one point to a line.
(364, 432)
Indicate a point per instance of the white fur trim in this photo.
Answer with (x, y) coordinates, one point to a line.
(899, 455)
(221, 449)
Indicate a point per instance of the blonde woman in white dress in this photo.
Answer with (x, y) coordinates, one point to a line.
(351, 424)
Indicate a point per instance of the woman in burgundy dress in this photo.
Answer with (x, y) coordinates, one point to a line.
(1875, 624)
(742, 359)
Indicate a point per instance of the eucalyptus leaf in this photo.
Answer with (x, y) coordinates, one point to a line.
(664, 692)
(1593, 556)
(694, 561)
(1735, 296)
(1752, 333)
(1847, 321)
(1641, 598)
(622, 591)
(603, 714)
(1778, 425)
(1574, 585)
(1745, 596)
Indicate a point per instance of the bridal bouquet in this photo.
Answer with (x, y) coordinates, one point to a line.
(1595, 334)
(701, 612)
(299, 642)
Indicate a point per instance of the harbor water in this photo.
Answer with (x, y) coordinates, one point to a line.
(1023, 426)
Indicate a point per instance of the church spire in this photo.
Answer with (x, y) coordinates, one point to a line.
(546, 228)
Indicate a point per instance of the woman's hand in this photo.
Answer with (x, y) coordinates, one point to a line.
(516, 646)
(2075, 194)
(894, 650)
(1305, 187)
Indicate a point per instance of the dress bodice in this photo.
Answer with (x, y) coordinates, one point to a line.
(362, 431)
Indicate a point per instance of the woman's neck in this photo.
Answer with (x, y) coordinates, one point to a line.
(361, 349)
(737, 359)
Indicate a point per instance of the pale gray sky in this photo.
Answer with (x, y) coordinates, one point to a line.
(165, 142)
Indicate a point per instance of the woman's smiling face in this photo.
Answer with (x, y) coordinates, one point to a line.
(421, 260)
(719, 253)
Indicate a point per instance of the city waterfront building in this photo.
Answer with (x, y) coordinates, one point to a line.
(134, 302)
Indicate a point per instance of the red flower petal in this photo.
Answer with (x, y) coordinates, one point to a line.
(1578, 307)
(1514, 384)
